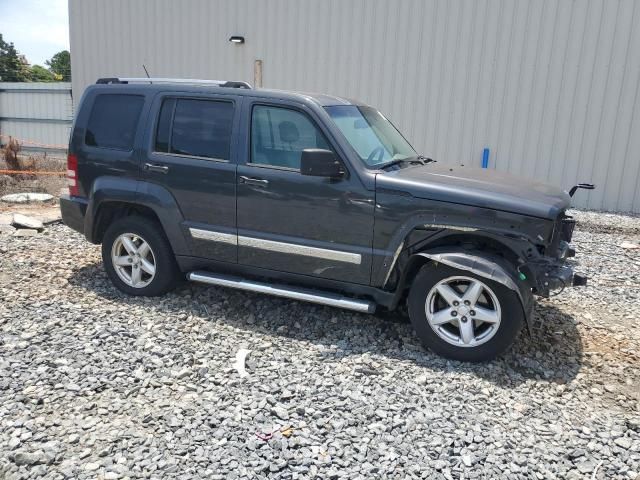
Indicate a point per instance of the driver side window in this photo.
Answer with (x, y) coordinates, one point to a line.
(279, 135)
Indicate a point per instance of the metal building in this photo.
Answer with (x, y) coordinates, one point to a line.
(38, 115)
(550, 87)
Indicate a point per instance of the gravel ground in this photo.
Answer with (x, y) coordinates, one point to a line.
(94, 384)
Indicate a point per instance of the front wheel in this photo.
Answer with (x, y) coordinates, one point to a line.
(463, 316)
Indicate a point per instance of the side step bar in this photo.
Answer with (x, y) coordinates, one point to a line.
(314, 296)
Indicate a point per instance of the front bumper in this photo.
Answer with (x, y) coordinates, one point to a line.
(551, 272)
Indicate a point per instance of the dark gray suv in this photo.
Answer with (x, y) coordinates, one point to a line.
(310, 197)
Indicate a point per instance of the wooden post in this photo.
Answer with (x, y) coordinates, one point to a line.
(257, 74)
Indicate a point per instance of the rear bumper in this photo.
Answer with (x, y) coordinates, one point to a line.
(73, 210)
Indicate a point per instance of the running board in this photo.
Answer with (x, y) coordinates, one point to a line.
(314, 296)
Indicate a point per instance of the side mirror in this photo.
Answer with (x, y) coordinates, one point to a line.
(316, 162)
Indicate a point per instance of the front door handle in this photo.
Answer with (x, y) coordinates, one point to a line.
(256, 182)
(156, 168)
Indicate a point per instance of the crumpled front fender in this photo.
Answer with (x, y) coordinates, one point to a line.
(488, 266)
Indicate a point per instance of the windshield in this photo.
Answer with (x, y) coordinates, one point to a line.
(372, 136)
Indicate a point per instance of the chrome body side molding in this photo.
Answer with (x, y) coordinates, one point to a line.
(213, 236)
(297, 249)
(279, 247)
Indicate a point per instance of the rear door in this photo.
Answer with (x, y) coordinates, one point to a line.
(191, 154)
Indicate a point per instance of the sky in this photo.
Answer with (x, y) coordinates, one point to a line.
(37, 28)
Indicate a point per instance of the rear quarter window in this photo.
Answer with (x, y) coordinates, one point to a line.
(113, 121)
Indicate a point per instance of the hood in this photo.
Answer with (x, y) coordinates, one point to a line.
(477, 187)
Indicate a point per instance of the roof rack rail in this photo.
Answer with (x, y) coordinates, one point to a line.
(186, 81)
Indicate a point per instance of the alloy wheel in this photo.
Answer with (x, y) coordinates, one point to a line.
(133, 260)
(463, 311)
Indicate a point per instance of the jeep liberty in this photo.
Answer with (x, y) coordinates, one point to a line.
(310, 197)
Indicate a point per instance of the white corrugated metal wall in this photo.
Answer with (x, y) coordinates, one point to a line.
(549, 86)
(38, 115)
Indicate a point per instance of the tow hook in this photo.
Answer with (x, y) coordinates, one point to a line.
(557, 279)
(579, 280)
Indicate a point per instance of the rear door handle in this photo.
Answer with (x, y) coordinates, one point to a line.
(257, 182)
(156, 168)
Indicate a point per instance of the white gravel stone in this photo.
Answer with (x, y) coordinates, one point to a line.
(84, 453)
(91, 466)
(7, 229)
(23, 221)
(26, 197)
(25, 232)
(13, 443)
(623, 442)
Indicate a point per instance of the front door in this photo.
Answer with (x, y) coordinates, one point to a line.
(191, 154)
(292, 223)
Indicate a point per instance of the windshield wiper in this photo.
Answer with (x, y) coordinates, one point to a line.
(419, 159)
(391, 163)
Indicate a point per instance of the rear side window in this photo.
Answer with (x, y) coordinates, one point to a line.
(113, 121)
(198, 128)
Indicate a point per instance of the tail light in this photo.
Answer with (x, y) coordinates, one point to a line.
(72, 175)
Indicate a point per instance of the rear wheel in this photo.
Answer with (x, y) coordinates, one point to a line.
(463, 316)
(138, 258)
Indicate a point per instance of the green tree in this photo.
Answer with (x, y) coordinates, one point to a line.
(41, 74)
(12, 67)
(60, 65)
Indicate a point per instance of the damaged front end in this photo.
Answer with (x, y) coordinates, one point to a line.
(532, 260)
(549, 273)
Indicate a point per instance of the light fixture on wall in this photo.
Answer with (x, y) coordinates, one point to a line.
(236, 39)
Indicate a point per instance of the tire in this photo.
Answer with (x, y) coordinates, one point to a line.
(471, 340)
(159, 255)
